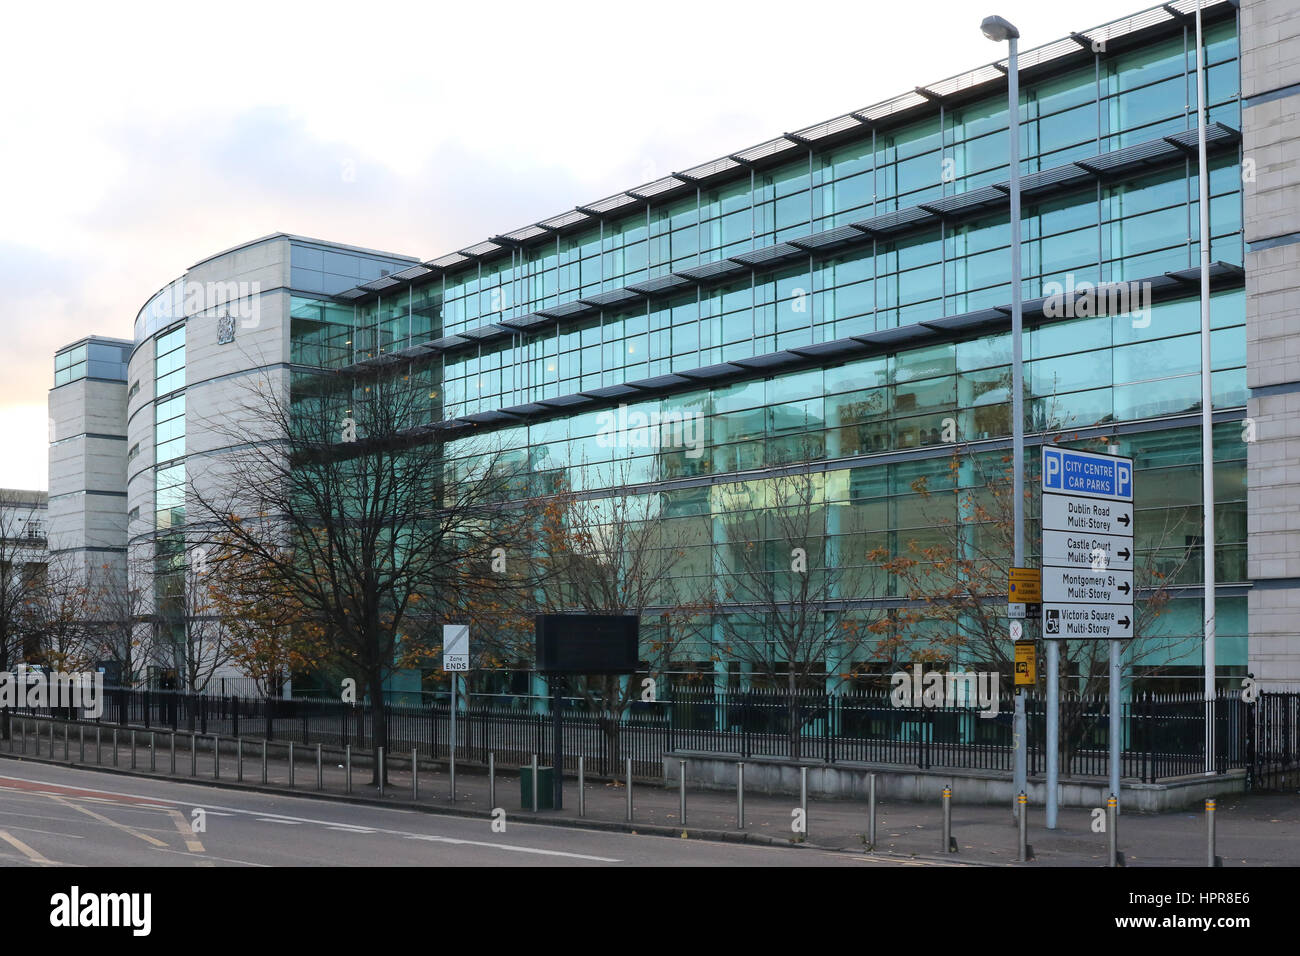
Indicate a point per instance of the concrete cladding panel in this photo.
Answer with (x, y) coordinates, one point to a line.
(1270, 64)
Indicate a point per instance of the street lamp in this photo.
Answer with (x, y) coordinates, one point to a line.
(1000, 30)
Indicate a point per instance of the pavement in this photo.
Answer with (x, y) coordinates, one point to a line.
(1252, 829)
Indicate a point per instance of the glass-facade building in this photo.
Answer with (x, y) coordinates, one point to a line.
(836, 302)
(837, 298)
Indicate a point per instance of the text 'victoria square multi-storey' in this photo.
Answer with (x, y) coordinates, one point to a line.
(834, 301)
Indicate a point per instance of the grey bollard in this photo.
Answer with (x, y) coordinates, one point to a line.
(681, 792)
(347, 768)
(263, 762)
(133, 750)
(239, 759)
(803, 801)
(291, 765)
(492, 781)
(173, 748)
(740, 795)
(949, 844)
(1212, 858)
(629, 789)
(381, 771)
(582, 788)
(114, 746)
(216, 757)
(153, 751)
(1112, 838)
(194, 755)
(534, 766)
(415, 774)
(1022, 844)
(320, 770)
(81, 742)
(871, 811)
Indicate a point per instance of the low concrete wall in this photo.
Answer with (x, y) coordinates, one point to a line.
(712, 771)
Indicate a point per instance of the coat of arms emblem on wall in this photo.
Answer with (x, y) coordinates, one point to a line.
(225, 330)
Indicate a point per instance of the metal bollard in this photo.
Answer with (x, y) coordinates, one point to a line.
(949, 844)
(381, 771)
(582, 788)
(51, 738)
(871, 811)
(239, 759)
(320, 771)
(803, 801)
(173, 748)
(65, 744)
(216, 757)
(81, 742)
(629, 789)
(415, 775)
(681, 792)
(1112, 838)
(1211, 858)
(263, 762)
(291, 765)
(133, 750)
(153, 751)
(347, 768)
(194, 755)
(1022, 847)
(22, 733)
(99, 753)
(534, 766)
(740, 795)
(492, 781)
(451, 770)
(114, 746)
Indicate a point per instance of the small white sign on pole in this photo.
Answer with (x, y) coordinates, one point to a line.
(455, 647)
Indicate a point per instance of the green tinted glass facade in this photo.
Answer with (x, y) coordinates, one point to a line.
(869, 426)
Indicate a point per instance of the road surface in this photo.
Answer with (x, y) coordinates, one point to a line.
(62, 816)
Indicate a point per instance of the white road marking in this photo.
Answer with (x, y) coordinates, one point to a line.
(112, 823)
(33, 855)
(513, 848)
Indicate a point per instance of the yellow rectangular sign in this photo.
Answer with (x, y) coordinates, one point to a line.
(1025, 586)
(1026, 664)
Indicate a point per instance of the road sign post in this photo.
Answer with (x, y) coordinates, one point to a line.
(1087, 576)
(455, 660)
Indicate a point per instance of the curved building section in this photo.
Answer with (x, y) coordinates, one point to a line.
(205, 346)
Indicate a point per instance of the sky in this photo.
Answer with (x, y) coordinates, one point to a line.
(139, 138)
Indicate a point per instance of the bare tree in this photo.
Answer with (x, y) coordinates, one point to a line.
(356, 502)
(61, 617)
(189, 615)
(121, 632)
(22, 577)
(620, 552)
(797, 596)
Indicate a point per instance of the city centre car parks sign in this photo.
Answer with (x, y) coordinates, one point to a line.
(1087, 545)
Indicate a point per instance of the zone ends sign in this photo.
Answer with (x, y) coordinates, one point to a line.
(587, 643)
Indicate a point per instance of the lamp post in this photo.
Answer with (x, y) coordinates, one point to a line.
(1000, 30)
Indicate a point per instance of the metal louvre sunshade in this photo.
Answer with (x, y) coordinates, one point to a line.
(661, 284)
(960, 83)
(769, 255)
(712, 270)
(532, 320)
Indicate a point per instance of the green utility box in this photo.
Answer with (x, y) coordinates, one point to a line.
(545, 788)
